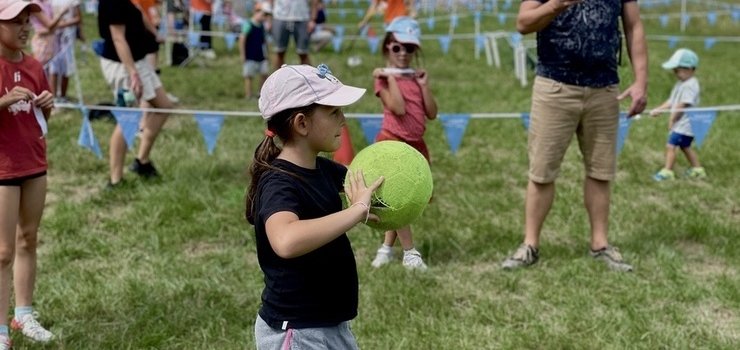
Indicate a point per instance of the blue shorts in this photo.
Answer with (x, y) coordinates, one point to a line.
(680, 140)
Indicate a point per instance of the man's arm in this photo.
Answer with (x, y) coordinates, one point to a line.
(534, 16)
(634, 33)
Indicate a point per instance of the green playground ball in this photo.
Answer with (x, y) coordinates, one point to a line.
(407, 187)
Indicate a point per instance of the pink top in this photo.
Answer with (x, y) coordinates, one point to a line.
(38, 27)
(411, 126)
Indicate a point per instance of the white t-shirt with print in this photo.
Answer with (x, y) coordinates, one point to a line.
(291, 10)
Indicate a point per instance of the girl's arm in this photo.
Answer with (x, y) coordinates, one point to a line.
(290, 237)
(660, 109)
(75, 20)
(368, 14)
(391, 97)
(49, 24)
(534, 16)
(430, 104)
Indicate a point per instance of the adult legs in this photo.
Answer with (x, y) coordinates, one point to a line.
(537, 204)
(152, 123)
(596, 197)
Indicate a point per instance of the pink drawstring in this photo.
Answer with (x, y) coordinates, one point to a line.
(288, 339)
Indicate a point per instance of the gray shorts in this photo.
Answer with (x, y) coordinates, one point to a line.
(337, 337)
(251, 68)
(281, 31)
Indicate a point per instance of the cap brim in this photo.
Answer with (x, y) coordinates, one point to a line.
(12, 11)
(406, 39)
(671, 64)
(344, 96)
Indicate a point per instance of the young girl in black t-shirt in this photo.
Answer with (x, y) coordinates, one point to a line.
(311, 286)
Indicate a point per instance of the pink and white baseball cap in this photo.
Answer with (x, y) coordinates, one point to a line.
(302, 85)
(10, 9)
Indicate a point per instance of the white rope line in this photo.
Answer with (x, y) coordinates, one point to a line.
(348, 115)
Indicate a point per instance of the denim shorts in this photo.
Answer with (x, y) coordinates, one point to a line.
(680, 140)
(337, 337)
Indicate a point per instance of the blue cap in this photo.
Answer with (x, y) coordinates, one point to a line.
(684, 58)
(405, 30)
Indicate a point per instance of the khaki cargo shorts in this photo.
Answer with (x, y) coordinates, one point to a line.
(558, 112)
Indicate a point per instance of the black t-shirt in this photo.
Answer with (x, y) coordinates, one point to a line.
(319, 289)
(139, 39)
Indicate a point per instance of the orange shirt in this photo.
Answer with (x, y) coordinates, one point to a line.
(145, 6)
(396, 8)
(201, 5)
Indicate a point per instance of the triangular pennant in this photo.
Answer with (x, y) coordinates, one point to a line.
(193, 39)
(197, 16)
(454, 125)
(210, 127)
(87, 137)
(507, 5)
(339, 30)
(736, 14)
(218, 20)
(476, 16)
(516, 39)
(370, 128)
(336, 43)
(709, 43)
(672, 41)
(430, 23)
(685, 19)
(360, 13)
(453, 21)
(488, 6)
(91, 6)
(342, 13)
(230, 40)
(663, 20)
(712, 18)
(129, 123)
(480, 41)
(701, 122)
(623, 131)
(501, 18)
(373, 41)
(357, 2)
(525, 120)
(444, 43)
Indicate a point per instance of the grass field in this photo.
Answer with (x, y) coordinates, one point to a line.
(171, 264)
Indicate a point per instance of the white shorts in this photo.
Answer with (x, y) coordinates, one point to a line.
(252, 68)
(116, 76)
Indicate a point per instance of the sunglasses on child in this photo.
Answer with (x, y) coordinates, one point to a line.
(407, 48)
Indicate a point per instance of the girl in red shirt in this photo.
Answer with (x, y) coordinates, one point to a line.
(407, 104)
(25, 105)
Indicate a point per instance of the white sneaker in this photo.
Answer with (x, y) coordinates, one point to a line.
(383, 257)
(412, 260)
(209, 54)
(5, 343)
(31, 328)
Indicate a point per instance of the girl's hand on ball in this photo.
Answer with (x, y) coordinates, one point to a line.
(359, 193)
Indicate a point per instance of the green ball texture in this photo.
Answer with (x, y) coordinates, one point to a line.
(407, 187)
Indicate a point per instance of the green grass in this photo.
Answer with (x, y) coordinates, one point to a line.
(171, 264)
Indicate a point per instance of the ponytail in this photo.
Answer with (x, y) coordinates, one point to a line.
(280, 125)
